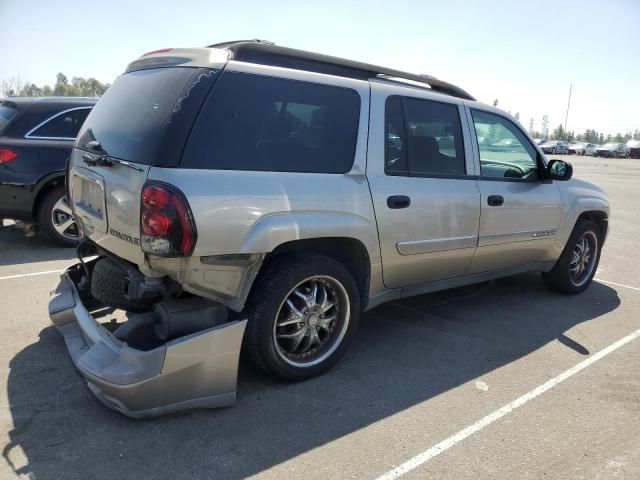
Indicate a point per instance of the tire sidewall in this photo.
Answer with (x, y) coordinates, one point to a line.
(272, 292)
(565, 259)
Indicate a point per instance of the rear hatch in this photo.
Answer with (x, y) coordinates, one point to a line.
(142, 120)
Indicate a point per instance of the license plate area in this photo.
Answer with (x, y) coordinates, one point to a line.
(88, 199)
(91, 197)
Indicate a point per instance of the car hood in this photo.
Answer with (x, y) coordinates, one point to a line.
(605, 147)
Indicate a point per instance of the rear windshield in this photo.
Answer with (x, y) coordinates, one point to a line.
(254, 122)
(6, 114)
(143, 110)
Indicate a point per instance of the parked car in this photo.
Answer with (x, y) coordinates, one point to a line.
(540, 141)
(555, 146)
(612, 150)
(582, 148)
(296, 198)
(595, 152)
(36, 136)
(634, 148)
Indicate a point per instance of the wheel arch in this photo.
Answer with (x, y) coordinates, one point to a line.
(599, 217)
(43, 187)
(349, 251)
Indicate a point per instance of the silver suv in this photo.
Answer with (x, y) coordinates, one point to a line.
(247, 184)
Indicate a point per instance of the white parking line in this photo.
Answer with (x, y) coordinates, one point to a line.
(31, 274)
(492, 417)
(617, 284)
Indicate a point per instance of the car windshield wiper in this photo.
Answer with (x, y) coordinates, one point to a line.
(107, 161)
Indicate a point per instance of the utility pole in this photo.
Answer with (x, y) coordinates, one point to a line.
(545, 126)
(568, 105)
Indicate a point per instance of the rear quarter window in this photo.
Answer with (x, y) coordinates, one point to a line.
(63, 125)
(254, 122)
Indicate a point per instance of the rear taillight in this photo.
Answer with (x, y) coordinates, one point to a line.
(166, 222)
(7, 154)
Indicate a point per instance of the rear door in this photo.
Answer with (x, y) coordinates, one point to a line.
(142, 120)
(423, 186)
(520, 210)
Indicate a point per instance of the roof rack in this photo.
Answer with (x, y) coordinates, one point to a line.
(268, 53)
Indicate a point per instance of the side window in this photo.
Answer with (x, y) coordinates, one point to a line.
(65, 125)
(504, 150)
(423, 137)
(253, 122)
(396, 146)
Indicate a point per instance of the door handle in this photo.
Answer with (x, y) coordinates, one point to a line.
(495, 200)
(398, 201)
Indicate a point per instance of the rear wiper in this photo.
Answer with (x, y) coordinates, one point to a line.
(106, 161)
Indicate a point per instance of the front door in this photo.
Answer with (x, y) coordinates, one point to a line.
(425, 195)
(520, 209)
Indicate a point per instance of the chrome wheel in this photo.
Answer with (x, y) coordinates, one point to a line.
(311, 321)
(62, 220)
(583, 258)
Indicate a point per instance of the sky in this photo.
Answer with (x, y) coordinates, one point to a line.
(526, 54)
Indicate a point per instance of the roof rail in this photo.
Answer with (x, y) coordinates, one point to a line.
(268, 53)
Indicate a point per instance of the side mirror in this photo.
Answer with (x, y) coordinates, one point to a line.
(559, 170)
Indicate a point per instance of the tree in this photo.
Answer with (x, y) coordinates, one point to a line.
(559, 133)
(517, 116)
(12, 87)
(600, 138)
(61, 86)
(495, 102)
(78, 87)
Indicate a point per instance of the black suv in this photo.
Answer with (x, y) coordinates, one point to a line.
(36, 136)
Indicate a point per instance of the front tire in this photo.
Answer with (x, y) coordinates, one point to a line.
(302, 315)
(56, 220)
(574, 270)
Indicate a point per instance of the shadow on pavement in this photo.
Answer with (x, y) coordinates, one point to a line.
(405, 353)
(18, 249)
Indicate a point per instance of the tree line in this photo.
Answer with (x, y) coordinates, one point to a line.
(77, 87)
(589, 136)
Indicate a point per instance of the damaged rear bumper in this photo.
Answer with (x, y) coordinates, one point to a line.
(198, 370)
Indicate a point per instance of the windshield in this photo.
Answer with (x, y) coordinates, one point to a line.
(146, 114)
(6, 114)
(610, 144)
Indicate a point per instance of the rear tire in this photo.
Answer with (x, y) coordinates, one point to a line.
(56, 220)
(573, 272)
(293, 334)
(108, 287)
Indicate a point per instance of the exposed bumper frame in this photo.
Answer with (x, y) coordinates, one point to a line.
(195, 371)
